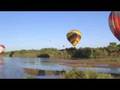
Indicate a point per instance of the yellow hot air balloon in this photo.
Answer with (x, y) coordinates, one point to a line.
(74, 37)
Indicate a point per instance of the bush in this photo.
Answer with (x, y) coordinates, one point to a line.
(83, 53)
(43, 55)
(75, 74)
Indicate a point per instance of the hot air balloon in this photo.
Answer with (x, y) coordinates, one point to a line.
(74, 37)
(2, 49)
(114, 23)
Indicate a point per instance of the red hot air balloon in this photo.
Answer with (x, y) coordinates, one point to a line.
(114, 23)
(2, 49)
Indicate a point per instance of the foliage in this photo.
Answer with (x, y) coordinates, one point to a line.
(83, 53)
(75, 74)
(112, 50)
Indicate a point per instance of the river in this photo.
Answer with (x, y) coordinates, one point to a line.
(14, 68)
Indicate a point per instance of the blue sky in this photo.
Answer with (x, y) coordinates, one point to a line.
(36, 30)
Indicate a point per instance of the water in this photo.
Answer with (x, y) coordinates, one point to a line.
(11, 69)
(14, 68)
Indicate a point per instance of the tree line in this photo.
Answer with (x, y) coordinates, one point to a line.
(112, 50)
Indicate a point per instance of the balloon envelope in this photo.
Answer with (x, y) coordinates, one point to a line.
(74, 37)
(114, 23)
(2, 48)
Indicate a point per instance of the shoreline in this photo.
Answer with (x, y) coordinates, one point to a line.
(88, 63)
(93, 62)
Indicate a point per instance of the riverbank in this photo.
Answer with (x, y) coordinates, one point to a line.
(104, 68)
(95, 62)
(103, 62)
(16, 67)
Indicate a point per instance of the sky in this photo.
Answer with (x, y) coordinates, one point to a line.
(42, 29)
